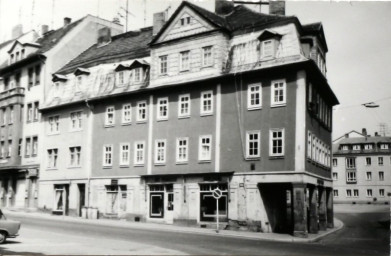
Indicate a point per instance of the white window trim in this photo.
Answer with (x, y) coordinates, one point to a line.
(181, 68)
(209, 112)
(209, 157)
(104, 155)
(271, 142)
(158, 162)
(121, 151)
(53, 132)
(158, 116)
(368, 193)
(69, 163)
(258, 141)
(141, 163)
(382, 161)
(138, 109)
(160, 65)
(70, 118)
(187, 150)
(255, 106)
(106, 116)
(123, 113)
(278, 104)
(203, 56)
(273, 55)
(384, 192)
(180, 115)
(368, 177)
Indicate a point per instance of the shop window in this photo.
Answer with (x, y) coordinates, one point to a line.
(208, 207)
(116, 196)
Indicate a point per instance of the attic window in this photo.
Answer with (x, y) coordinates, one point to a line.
(185, 21)
(269, 44)
(268, 49)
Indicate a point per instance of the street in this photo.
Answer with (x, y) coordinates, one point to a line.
(361, 235)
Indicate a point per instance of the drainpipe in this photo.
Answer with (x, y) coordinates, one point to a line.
(89, 152)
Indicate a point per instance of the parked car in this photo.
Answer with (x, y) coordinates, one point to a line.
(8, 228)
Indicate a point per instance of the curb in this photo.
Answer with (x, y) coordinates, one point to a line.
(162, 227)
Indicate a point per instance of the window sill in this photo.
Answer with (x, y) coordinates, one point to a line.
(204, 161)
(126, 123)
(73, 167)
(276, 157)
(278, 105)
(54, 133)
(107, 167)
(52, 169)
(138, 165)
(254, 108)
(181, 163)
(257, 158)
(206, 114)
(162, 119)
(76, 130)
(124, 166)
(184, 117)
(184, 70)
(141, 121)
(159, 164)
(109, 125)
(207, 66)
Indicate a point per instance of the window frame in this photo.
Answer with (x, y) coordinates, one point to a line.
(272, 50)
(52, 158)
(381, 175)
(180, 102)
(163, 65)
(205, 62)
(271, 139)
(109, 110)
(184, 63)
(202, 103)
(157, 161)
(78, 121)
(185, 148)
(369, 192)
(126, 110)
(250, 93)
(136, 150)
(273, 89)
(123, 162)
(138, 119)
(248, 141)
(159, 105)
(368, 176)
(201, 156)
(56, 124)
(380, 161)
(77, 157)
(111, 153)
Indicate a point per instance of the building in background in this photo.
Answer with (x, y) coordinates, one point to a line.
(26, 74)
(362, 168)
(233, 99)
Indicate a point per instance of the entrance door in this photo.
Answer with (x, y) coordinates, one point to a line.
(157, 205)
(170, 204)
(82, 196)
(61, 202)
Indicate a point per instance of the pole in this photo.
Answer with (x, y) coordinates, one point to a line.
(126, 25)
(217, 215)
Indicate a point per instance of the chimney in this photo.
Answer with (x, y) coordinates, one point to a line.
(104, 36)
(159, 19)
(376, 134)
(44, 29)
(67, 21)
(17, 31)
(223, 7)
(364, 132)
(346, 135)
(277, 7)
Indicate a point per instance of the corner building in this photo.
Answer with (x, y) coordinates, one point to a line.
(237, 101)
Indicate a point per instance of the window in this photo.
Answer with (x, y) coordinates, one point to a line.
(253, 144)
(278, 93)
(184, 61)
(207, 103)
(126, 113)
(335, 162)
(205, 148)
(76, 121)
(368, 146)
(109, 121)
(74, 153)
(355, 192)
(368, 161)
(28, 147)
(369, 192)
(348, 193)
(254, 96)
(107, 155)
(160, 151)
(37, 74)
(141, 111)
(309, 146)
(335, 192)
(120, 77)
(9, 148)
(54, 124)
(182, 150)
(79, 82)
(351, 177)
(369, 176)
(345, 147)
(350, 163)
(267, 49)
(163, 65)
(2, 150)
(20, 147)
(139, 153)
(162, 109)
(381, 176)
(11, 120)
(4, 119)
(35, 146)
(207, 59)
(124, 154)
(383, 146)
(356, 147)
(52, 158)
(184, 105)
(277, 142)
(36, 109)
(380, 160)
(137, 75)
(381, 192)
(30, 79)
(335, 176)
(185, 21)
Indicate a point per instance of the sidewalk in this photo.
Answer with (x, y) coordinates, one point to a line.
(173, 228)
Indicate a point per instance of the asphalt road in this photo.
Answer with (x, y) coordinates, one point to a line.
(362, 235)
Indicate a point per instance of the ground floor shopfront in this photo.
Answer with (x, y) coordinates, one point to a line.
(295, 203)
(19, 188)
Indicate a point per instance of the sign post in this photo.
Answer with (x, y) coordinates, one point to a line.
(217, 194)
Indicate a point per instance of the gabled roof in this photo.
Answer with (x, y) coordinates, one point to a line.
(365, 140)
(23, 44)
(81, 71)
(267, 34)
(57, 77)
(126, 46)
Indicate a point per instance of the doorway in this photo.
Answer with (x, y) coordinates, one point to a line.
(82, 197)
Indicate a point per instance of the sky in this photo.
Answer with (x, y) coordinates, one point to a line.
(358, 35)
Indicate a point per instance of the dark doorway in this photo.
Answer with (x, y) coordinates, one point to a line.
(277, 199)
(157, 205)
(82, 196)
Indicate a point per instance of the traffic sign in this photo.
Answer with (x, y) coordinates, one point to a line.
(217, 193)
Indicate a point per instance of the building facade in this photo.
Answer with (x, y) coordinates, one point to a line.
(26, 74)
(237, 101)
(362, 169)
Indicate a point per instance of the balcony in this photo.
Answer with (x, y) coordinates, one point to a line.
(11, 92)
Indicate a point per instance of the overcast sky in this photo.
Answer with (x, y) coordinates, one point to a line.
(358, 35)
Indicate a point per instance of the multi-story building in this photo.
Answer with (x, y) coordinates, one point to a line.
(236, 100)
(362, 168)
(25, 76)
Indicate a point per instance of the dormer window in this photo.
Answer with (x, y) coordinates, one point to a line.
(22, 54)
(79, 81)
(267, 50)
(184, 60)
(37, 74)
(384, 146)
(12, 58)
(137, 74)
(185, 21)
(345, 147)
(121, 77)
(356, 147)
(16, 56)
(269, 44)
(368, 146)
